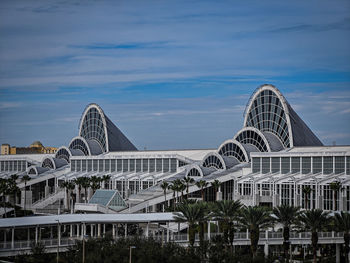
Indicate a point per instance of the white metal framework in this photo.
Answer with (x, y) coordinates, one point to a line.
(268, 111)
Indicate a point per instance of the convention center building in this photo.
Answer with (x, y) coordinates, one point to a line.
(274, 159)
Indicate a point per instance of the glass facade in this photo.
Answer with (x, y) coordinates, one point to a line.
(79, 144)
(93, 128)
(253, 138)
(213, 161)
(233, 150)
(267, 114)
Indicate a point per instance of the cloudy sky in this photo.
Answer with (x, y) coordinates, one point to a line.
(170, 74)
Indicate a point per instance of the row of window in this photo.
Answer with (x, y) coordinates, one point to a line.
(303, 165)
(286, 191)
(125, 165)
(8, 166)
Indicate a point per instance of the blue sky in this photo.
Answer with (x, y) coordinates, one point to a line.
(170, 74)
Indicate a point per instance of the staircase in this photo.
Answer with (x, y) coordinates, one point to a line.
(50, 200)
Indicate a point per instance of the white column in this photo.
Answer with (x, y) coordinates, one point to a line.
(78, 228)
(36, 234)
(13, 238)
(71, 231)
(266, 249)
(99, 230)
(113, 231)
(91, 230)
(147, 229)
(337, 253)
(209, 230)
(167, 231)
(59, 233)
(126, 230)
(104, 230)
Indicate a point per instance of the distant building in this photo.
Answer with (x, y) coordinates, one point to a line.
(35, 148)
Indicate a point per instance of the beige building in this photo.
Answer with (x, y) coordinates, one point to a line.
(35, 148)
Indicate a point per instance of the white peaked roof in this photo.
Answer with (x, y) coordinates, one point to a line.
(85, 218)
(196, 155)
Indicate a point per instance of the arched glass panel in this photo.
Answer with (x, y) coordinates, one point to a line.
(266, 114)
(79, 145)
(233, 150)
(93, 128)
(47, 163)
(213, 161)
(32, 171)
(63, 154)
(194, 172)
(252, 137)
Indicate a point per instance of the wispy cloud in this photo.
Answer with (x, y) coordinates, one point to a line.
(178, 71)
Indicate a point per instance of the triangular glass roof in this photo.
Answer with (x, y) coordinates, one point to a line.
(108, 198)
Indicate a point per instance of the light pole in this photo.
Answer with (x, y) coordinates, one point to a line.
(58, 239)
(131, 247)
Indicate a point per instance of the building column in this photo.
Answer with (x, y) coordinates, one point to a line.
(147, 229)
(337, 253)
(91, 230)
(99, 230)
(13, 238)
(208, 230)
(126, 230)
(266, 249)
(78, 228)
(167, 232)
(104, 230)
(71, 231)
(59, 233)
(28, 236)
(113, 231)
(36, 234)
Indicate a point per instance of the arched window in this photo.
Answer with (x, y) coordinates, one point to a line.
(194, 172)
(92, 126)
(47, 163)
(267, 113)
(31, 171)
(213, 161)
(232, 149)
(79, 144)
(63, 153)
(253, 137)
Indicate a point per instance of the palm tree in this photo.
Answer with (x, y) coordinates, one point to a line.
(69, 186)
(106, 179)
(25, 179)
(306, 190)
(172, 187)
(192, 214)
(314, 220)
(13, 189)
(342, 224)
(255, 218)
(95, 183)
(227, 212)
(335, 186)
(164, 186)
(188, 181)
(201, 185)
(177, 183)
(216, 184)
(182, 188)
(286, 215)
(81, 183)
(4, 191)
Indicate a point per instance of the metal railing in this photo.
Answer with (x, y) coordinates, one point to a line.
(178, 238)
